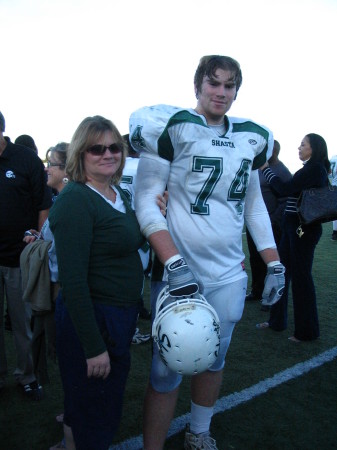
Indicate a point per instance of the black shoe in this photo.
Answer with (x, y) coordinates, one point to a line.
(251, 297)
(334, 236)
(144, 314)
(32, 390)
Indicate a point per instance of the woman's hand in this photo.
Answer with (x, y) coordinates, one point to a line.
(99, 366)
(31, 236)
(162, 202)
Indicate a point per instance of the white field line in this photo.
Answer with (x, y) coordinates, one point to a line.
(232, 400)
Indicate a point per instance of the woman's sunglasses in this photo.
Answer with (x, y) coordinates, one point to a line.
(101, 149)
(51, 164)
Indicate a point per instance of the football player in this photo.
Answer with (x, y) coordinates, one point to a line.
(209, 163)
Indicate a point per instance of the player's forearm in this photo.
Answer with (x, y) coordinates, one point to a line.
(152, 175)
(163, 245)
(269, 254)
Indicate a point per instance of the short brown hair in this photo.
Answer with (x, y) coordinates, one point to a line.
(208, 65)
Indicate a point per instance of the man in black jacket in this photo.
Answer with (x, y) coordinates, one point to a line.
(25, 200)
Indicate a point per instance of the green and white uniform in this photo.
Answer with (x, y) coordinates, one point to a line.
(212, 182)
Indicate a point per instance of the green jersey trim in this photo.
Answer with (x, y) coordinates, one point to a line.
(165, 147)
(252, 127)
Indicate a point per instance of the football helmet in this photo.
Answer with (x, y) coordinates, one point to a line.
(187, 332)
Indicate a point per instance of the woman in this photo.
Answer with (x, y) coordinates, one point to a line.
(97, 239)
(298, 245)
(43, 341)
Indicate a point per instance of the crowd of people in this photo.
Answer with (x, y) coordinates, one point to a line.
(201, 178)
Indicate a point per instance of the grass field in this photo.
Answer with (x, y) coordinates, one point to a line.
(269, 400)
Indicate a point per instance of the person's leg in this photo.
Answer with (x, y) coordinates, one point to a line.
(157, 415)
(93, 406)
(3, 359)
(39, 350)
(20, 313)
(69, 438)
(228, 301)
(278, 319)
(205, 389)
(334, 231)
(162, 392)
(303, 288)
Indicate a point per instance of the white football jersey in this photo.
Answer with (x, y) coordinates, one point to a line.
(208, 180)
(333, 175)
(128, 181)
(128, 184)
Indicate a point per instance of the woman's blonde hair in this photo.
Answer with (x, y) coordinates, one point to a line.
(89, 131)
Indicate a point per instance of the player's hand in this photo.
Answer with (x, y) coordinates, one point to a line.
(273, 284)
(99, 366)
(181, 280)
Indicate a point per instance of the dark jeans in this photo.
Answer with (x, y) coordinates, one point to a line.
(93, 406)
(297, 254)
(257, 265)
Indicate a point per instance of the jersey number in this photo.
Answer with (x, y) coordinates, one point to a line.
(238, 187)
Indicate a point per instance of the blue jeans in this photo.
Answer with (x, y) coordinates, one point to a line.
(93, 406)
(297, 255)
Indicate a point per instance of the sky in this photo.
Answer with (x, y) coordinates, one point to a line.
(63, 60)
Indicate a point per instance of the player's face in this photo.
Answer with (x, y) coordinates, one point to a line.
(216, 96)
(102, 167)
(305, 150)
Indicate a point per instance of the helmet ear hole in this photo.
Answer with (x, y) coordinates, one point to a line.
(187, 333)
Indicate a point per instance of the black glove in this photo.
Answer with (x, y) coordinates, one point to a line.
(181, 280)
(273, 284)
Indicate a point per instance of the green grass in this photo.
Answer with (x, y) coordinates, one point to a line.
(298, 414)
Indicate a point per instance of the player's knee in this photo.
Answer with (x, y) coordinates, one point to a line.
(162, 378)
(219, 363)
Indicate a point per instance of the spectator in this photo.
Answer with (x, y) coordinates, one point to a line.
(26, 141)
(275, 207)
(43, 343)
(24, 204)
(97, 239)
(298, 242)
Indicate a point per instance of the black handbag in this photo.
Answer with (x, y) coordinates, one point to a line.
(317, 205)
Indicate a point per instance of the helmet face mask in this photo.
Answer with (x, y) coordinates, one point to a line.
(187, 333)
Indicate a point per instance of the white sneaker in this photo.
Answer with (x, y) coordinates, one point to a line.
(139, 338)
(202, 441)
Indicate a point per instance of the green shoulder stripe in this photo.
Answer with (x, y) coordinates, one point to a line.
(250, 127)
(254, 128)
(165, 148)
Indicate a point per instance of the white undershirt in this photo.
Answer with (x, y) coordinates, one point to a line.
(118, 205)
(219, 130)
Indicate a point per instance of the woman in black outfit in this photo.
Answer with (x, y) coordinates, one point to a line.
(297, 252)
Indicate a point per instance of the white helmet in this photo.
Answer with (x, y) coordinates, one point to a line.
(187, 332)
